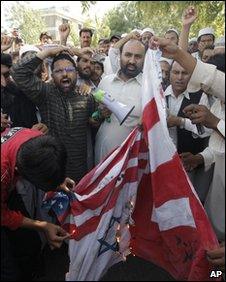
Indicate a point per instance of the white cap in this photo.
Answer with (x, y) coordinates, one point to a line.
(169, 61)
(124, 35)
(27, 48)
(220, 41)
(137, 30)
(173, 29)
(147, 29)
(205, 31)
(193, 39)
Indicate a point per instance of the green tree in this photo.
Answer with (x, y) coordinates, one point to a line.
(123, 18)
(162, 15)
(86, 5)
(74, 37)
(28, 20)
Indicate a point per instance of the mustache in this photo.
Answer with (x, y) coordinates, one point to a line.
(131, 65)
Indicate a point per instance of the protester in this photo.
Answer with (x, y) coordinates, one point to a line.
(98, 69)
(173, 35)
(125, 87)
(59, 99)
(146, 35)
(114, 39)
(165, 65)
(114, 52)
(48, 88)
(13, 100)
(207, 53)
(185, 135)
(192, 45)
(85, 35)
(41, 160)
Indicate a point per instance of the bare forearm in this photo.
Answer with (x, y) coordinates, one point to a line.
(187, 61)
(33, 224)
(122, 41)
(63, 41)
(43, 54)
(183, 40)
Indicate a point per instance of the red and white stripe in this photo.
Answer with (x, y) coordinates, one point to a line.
(168, 215)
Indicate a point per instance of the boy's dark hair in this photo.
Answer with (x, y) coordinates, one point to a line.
(219, 61)
(42, 160)
(85, 29)
(63, 56)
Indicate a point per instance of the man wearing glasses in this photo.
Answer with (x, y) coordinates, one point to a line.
(63, 110)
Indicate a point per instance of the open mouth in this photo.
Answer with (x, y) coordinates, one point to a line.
(66, 82)
(87, 70)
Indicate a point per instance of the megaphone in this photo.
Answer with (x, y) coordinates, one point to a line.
(120, 110)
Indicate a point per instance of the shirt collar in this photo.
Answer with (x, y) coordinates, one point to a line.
(138, 78)
(169, 92)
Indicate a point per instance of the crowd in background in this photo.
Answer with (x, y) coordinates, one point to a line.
(47, 88)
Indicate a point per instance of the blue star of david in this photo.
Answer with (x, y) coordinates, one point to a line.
(105, 246)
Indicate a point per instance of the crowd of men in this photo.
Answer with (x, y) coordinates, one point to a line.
(54, 132)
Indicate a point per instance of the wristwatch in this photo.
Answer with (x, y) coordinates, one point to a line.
(182, 122)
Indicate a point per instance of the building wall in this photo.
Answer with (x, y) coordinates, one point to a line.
(53, 18)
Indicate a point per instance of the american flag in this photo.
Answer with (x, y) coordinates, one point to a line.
(137, 200)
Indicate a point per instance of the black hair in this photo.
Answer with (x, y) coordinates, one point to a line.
(42, 160)
(63, 56)
(219, 61)
(6, 60)
(42, 34)
(106, 41)
(85, 29)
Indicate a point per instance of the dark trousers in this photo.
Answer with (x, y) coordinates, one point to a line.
(20, 249)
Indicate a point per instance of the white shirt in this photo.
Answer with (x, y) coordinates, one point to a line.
(215, 153)
(114, 56)
(111, 135)
(207, 77)
(107, 67)
(213, 81)
(174, 107)
(196, 55)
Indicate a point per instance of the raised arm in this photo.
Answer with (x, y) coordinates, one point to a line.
(204, 76)
(188, 18)
(6, 43)
(114, 52)
(64, 31)
(24, 75)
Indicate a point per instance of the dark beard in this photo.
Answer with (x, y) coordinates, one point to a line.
(130, 73)
(84, 76)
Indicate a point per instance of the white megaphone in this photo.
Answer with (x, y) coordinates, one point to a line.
(120, 110)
